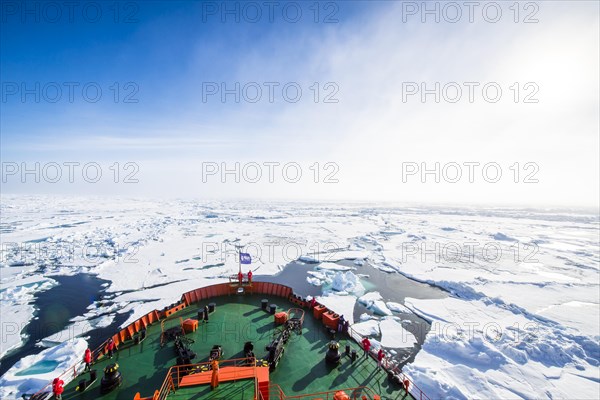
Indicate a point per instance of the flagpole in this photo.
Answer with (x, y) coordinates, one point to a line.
(239, 258)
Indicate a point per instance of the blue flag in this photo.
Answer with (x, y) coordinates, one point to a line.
(245, 258)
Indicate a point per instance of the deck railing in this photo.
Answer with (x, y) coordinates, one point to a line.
(275, 392)
(413, 389)
(176, 373)
(67, 376)
(353, 393)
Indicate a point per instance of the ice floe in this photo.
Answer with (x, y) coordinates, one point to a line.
(394, 335)
(346, 282)
(33, 372)
(397, 307)
(525, 282)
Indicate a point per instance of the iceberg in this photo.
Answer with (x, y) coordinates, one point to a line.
(346, 282)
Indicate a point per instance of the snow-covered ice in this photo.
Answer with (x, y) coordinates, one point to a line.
(341, 304)
(397, 307)
(33, 372)
(369, 298)
(492, 343)
(394, 335)
(367, 328)
(374, 302)
(17, 289)
(346, 282)
(521, 319)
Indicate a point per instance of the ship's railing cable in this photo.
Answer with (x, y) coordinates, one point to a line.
(67, 376)
(413, 389)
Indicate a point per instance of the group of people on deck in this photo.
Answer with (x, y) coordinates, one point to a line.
(241, 277)
(366, 343)
(58, 384)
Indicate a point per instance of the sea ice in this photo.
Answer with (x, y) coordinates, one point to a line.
(347, 282)
(394, 335)
(46, 366)
(541, 289)
(397, 307)
(367, 328)
(341, 304)
(333, 267)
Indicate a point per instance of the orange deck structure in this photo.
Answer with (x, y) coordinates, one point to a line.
(178, 376)
(281, 318)
(190, 325)
(331, 320)
(319, 310)
(227, 374)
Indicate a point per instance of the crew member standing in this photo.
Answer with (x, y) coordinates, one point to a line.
(366, 345)
(214, 381)
(406, 385)
(57, 388)
(110, 347)
(250, 277)
(240, 277)
(380, 356)
(341, 323)
(87, 359)
(206, 314)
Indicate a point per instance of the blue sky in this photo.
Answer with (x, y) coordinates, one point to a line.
(166, 50)
(167, 53)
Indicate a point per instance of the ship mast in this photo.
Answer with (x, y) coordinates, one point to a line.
(239, 258)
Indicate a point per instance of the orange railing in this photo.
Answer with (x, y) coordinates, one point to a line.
(275, 392)
(176, 372)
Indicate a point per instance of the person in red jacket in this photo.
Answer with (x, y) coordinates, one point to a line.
(313, 303)
(380, 357)
(240, 277)
(366, 345)
(57, 388)
(87, 359)
(406, 385)
(249, 276)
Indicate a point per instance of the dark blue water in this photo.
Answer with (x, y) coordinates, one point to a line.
(55, 307)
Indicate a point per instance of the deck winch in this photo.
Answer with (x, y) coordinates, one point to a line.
(112, 378)
(333, 355)
(182, 350)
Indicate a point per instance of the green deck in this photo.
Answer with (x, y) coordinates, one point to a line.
(238, 319)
